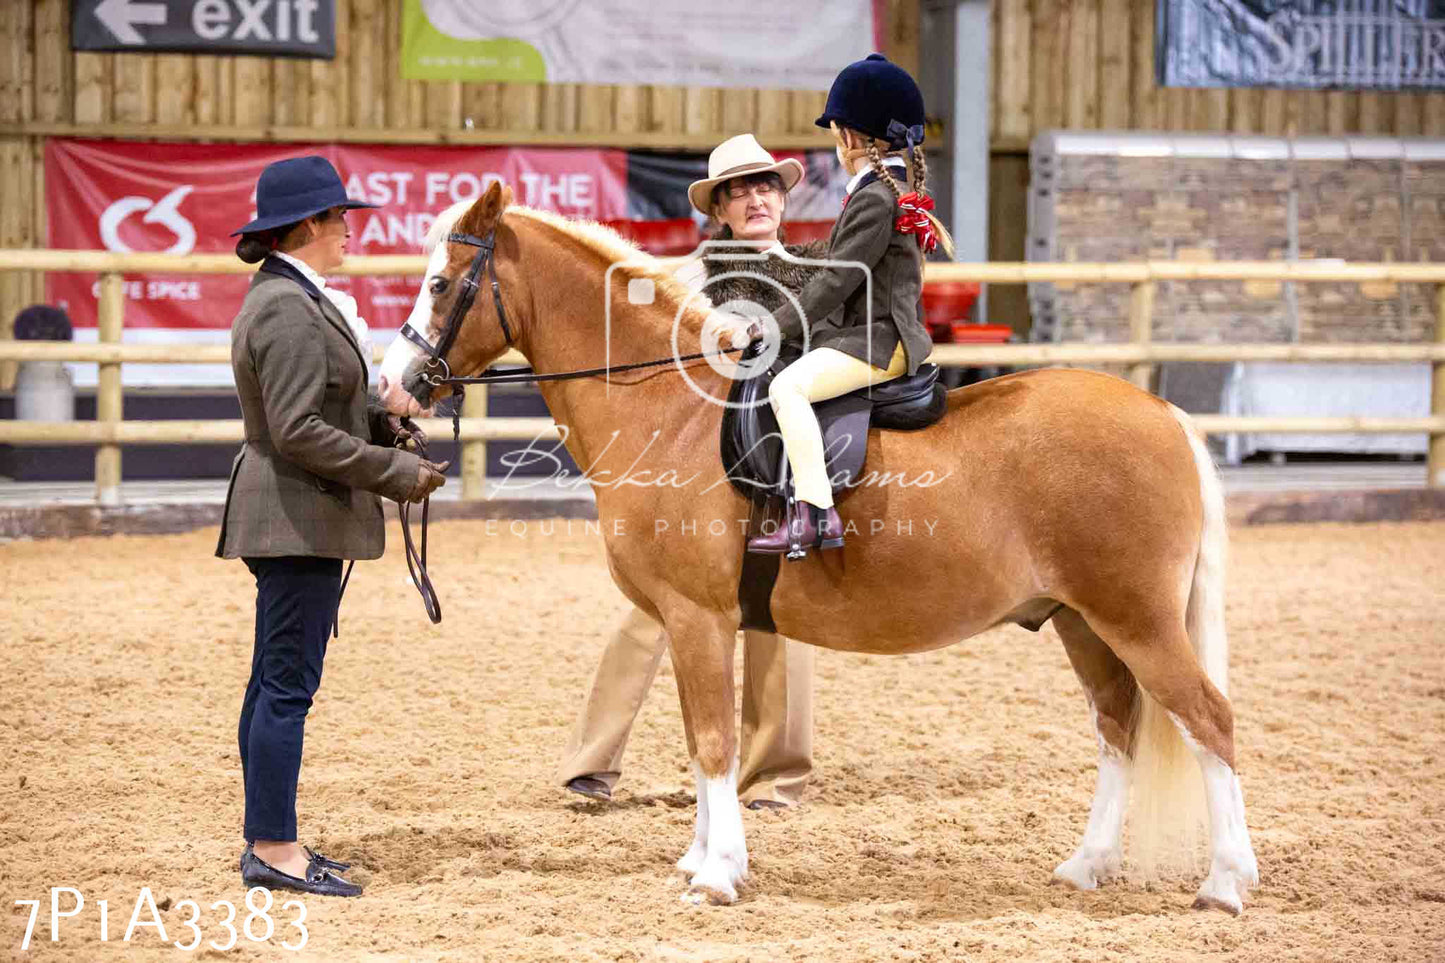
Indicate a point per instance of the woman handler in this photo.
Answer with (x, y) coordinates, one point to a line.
(303, 494)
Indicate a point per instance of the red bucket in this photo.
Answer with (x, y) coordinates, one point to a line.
(964, 333)
(947, 304)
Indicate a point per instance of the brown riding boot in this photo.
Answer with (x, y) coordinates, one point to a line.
(808, 527)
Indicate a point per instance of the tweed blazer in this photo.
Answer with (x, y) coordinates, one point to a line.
(870, 323)
(307, 478)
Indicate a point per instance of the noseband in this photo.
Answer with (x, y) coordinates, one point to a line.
(438, 371)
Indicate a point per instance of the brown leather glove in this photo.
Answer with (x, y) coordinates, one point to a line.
(406, 434)
(429, 477)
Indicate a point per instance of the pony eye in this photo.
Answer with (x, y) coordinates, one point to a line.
(438, 285)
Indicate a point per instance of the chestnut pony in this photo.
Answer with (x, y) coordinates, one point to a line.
(1060, 491)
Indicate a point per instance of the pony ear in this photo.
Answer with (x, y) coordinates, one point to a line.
(484, 213)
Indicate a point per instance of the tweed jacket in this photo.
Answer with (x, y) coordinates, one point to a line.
(307, 478)
(870, 324)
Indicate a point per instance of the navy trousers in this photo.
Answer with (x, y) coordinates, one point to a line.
(296, 600)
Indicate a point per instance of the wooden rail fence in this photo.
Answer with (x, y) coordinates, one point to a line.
(110, 431)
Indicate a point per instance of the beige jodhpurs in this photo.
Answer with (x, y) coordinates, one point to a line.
(820, 374)
(776, 757)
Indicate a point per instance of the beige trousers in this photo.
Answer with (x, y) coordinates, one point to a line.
(820, 374)
(776, 757)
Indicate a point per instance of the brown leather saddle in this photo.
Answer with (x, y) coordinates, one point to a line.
(752, 448)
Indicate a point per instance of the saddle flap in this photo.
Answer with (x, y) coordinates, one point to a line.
(906, 388)
(844, 423)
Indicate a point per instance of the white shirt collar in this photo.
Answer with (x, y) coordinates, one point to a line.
(858, 177)
(343, 302)
(304, 268)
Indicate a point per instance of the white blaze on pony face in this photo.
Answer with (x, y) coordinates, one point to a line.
(401, 355)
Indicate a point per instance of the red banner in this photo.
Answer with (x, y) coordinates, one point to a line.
(184, 198)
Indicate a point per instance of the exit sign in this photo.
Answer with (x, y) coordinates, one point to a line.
(296, 28)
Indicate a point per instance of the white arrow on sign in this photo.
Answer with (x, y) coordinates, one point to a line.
(121, 16)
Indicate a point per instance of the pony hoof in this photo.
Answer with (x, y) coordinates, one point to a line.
(1085, 871)
(704, 897)
(715, 884)
(717, 894)
(1203, 902)
(1219, 892)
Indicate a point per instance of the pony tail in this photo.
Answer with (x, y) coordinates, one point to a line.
(945, 239)
(875, 160)
(920, 180)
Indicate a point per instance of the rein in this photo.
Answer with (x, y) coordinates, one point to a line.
(442, 375)
(416, 561)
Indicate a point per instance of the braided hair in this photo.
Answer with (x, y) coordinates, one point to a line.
(917, 177)
(919, 170)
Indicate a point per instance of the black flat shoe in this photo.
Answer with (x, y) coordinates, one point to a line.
(326, 862)
(758, 804)
(319, 880)
(591, 787)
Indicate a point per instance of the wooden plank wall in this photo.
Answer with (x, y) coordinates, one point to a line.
(1056, 63)
(1090, 64)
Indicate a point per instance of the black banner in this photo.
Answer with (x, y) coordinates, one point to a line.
(1318, 44)
(296, 28)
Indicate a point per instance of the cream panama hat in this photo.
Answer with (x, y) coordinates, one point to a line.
(736, 157)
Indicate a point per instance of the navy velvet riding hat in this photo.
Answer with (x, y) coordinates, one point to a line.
(878, 98)
(295, 188)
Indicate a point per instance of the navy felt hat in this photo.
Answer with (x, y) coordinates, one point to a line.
(878, 98)
(295, 188)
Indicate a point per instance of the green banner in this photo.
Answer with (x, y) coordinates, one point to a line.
(798, 45)
(429, 54)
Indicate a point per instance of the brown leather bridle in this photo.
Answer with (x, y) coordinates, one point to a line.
(438, 372)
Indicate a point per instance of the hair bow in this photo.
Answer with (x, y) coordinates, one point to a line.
(913, 219)
(900, 136)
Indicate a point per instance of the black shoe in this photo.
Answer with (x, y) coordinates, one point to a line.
(591, 787)
(319, 880)
(326, 862)
(757, 804)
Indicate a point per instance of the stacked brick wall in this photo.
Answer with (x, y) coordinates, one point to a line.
(1116, 208)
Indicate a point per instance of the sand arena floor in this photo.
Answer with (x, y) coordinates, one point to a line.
(948, 785)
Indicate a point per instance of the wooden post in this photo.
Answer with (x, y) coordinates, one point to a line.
(1436, 478)
(474, 453)
(1141, 329)
(108, 393)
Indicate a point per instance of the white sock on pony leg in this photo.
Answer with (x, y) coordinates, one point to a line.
(726, 863)
(692, 860)
(1100, 854)
(1232, 865)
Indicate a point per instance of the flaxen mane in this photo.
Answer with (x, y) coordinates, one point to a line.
(609, 247)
